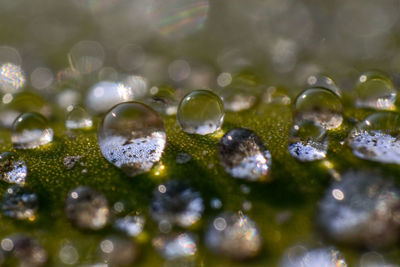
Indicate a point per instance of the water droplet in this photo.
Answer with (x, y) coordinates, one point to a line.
(276, 96)
(201, 112)
(12, 78)
(375, 90)
(132, 137)
(376, 138)
(318, 257)
(233, 235)
(183, 158)
(118, 251)
(68, 98)
(68, 254)
(78, 118)
(175, 245)
(177, 203)
(362, 209)
(12, 168)
(322, 81)
(86, 208)
(25, 249)
(164, 100)
(86, 56)
(131, 225)
(308, 141)
(319, 105)
(243, 155)
(31, 130)
(19, 203)
(216, 203)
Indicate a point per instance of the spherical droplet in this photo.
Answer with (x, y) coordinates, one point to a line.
(377, 138)
(233, 235)
(132, 137)
(118, 251)
(276, 96)
(131, 225)
(375, 90)
(323, 81)
(13, 169)
(31, 130)
(243, 155)
(308, 141)
(86, 208)
(361, 209)
(319, 105)
(299, 256)
(175, 245)
(201, 112)
(78, 118)
(12, 78)
(19, 203)
(176, 203)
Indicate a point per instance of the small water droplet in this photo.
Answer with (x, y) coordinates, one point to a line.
(68, 254)
(12, 78)
(319, 105)
(276, 96)
(19, 203)
(183, 158)
(243, 155)
(132, 137)
(323, 81)
(177, 203)
(201, 112)
(131, 225)
(86, 208)
(318, 257)
(31, 130)
(25, 249)
(216, 203)
(175, 245)
(163, 99)
(12, 168)
(118, 251)
(78, 118)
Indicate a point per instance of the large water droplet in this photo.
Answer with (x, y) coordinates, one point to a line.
(201, 112)
(362, 209)
(299, 256)
(13, 169)
(377, 138)
(323, 81)
(78, 118)
(233, 235)
(175, 245)
(176, 203)
(243, 155)
(132, 137)
(19, 203)
(31, 130)
(12, 78)
(118, 251)
(320, 106)
(308, 141)
(375, 90)
(86, 208)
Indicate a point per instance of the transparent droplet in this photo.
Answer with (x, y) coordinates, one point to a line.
(308, 141)
(233, 235)
(361, 209)
(377, 138)
(299, 256)
(12, 78)
(42, 78)
(276, 96)
(131, 225)
(68, 98)
(323, 81)
(78, 118)
(243, 155)
(375, 90)
(216, 203)
(183, 158)
(118, 251)
(201, 112)
(164, 100)
(68, 254)
(19, 203)
(86, 56)
(13, 169)
(319, 105)
(176, 203)
(374, 259)
(104, 95)
(175, 245)
(132, 137)
(86, 208)
(31, 130)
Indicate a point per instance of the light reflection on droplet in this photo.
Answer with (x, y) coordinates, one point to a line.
(12, 78)
(175, 245)
(86, 56)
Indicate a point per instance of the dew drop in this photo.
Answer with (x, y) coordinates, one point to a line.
(78, 119)
(31, 130)
(12, 78)
(131, 225)
(319, 105)
(216, 203)
(233, 235)
(13, 169)
(243, 155)
(164, 100)
(68, 254)
(318, 257)
(201, 112)
(323, 81)
(132, 137)
(175, 245)
(86, 208)
(19, 203)
(276, 96)
(375, 90)
(118, 251)
(308, 141)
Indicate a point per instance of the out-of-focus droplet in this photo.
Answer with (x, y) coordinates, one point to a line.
(31, 130)
(78, 119)
(233, 235)
(175, 245)
(13, 169)
(201, 112)
(308, 141)
(68, 98)
(179, 70)
(322, 81)
(9, 54)
(224, 79)
(377, 138)
(68, 254)
(176, 203)
(12, 78)
(118, 251)
(319, 105)
(244, 156)
(375, 90)
(299, 256)
(132, 137)
(19, 203)
(137, 84)
(362, 209)
(131, 225)
(42, 78)
(276, 96)
(164, 100)
(183, 158)
(104, 95)
(86, 57)
(86, 208)
(374, 259)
